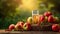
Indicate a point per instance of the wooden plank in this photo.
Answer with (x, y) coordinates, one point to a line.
(28, 32)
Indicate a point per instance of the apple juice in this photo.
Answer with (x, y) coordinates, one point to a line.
(35, 19)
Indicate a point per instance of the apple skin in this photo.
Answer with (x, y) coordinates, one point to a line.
(59, 28)
(19, 25)
(27, 26)
(51, 19)
(55, 27)
(48, 13)
(11, 27)
(41, 18)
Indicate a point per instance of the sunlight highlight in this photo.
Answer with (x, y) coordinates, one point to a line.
(29, 4)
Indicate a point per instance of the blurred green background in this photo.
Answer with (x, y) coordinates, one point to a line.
(10, 13)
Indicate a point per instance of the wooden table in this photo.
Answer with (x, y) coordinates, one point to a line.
(28, 32)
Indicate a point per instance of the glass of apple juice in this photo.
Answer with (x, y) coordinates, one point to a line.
(35, 16)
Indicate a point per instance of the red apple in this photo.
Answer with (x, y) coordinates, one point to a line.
(19, 25)
(55, 27)
(51, 19)
(41, 18)
(47, 13)
(27, 26)
(11, 27)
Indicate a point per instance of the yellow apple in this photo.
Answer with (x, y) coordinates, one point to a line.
(29, 20)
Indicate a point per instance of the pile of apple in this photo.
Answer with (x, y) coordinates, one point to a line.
(47, 17)
(20, 26)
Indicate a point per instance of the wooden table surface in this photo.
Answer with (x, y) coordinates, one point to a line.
(28, 32)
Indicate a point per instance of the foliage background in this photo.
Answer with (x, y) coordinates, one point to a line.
(11, 13)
